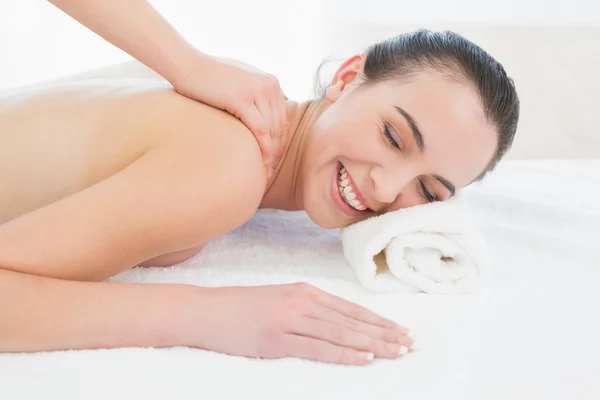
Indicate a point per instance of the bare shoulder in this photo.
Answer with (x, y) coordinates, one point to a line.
(221, 157)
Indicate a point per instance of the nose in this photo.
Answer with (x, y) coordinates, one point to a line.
(391, 188)
(387, 188)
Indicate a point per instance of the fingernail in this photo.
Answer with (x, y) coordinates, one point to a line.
(403, 350)
(366, 356)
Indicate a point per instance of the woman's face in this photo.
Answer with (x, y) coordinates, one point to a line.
(392, 145)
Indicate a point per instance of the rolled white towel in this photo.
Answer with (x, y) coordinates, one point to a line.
(431, 248)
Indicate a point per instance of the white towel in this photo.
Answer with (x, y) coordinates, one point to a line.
(431, 248)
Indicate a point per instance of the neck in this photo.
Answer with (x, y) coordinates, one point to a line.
(284, 191)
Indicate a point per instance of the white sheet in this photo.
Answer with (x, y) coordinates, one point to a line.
(534, 334)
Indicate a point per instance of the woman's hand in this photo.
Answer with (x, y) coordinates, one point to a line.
(249, 94)
(295, 320)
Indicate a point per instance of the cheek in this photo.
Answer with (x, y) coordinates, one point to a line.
(354, 138)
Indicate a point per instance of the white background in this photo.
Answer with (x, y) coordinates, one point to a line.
(286, 38)
(505, 12)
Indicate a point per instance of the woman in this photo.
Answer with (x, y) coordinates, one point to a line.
(132, 173)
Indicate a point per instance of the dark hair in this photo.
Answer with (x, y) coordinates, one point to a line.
(405, 55)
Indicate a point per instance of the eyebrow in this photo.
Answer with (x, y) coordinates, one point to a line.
(447, 184)
(413, 127)
(421, 146)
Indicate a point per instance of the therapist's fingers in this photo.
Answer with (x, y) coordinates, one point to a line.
(268, 142)
(253, 119)
(283, 124)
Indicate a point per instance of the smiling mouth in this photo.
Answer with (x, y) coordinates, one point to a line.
(347, 191)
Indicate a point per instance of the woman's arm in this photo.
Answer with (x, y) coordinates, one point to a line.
(44, 314)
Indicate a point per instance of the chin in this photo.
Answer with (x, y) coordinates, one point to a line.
(324, 219)
(320, 215)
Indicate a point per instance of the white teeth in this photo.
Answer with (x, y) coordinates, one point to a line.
(346, 191)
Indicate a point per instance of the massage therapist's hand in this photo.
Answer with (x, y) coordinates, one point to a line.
(137, 28)
(251, 95)
(295, 320)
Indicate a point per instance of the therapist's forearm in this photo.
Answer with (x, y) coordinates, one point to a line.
(137, 28)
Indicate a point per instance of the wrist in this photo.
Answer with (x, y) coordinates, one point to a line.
(190, 322)
(182, 62)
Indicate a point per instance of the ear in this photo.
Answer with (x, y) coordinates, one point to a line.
(348, 72)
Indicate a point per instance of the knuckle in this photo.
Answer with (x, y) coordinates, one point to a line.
(239, 103)
(293, 304)
(246, 97)
(260, 131)
(261, 136)
(234, 109)
(272, 79)
(272, 84)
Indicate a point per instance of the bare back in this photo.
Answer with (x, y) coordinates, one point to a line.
(83, 151)
(58, 139)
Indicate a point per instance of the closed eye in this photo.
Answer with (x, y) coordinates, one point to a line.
(390, 138)
(427, 194)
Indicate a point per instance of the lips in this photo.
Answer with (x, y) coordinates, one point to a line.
(355, 189)
(337, 197)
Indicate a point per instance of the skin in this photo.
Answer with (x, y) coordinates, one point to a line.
(101, 175)
(137, 28)
(347, 127)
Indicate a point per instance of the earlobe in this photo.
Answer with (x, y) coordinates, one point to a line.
(333, 91)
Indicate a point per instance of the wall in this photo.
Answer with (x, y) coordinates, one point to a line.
(504, 12)
(40, 42)
(287, 38)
